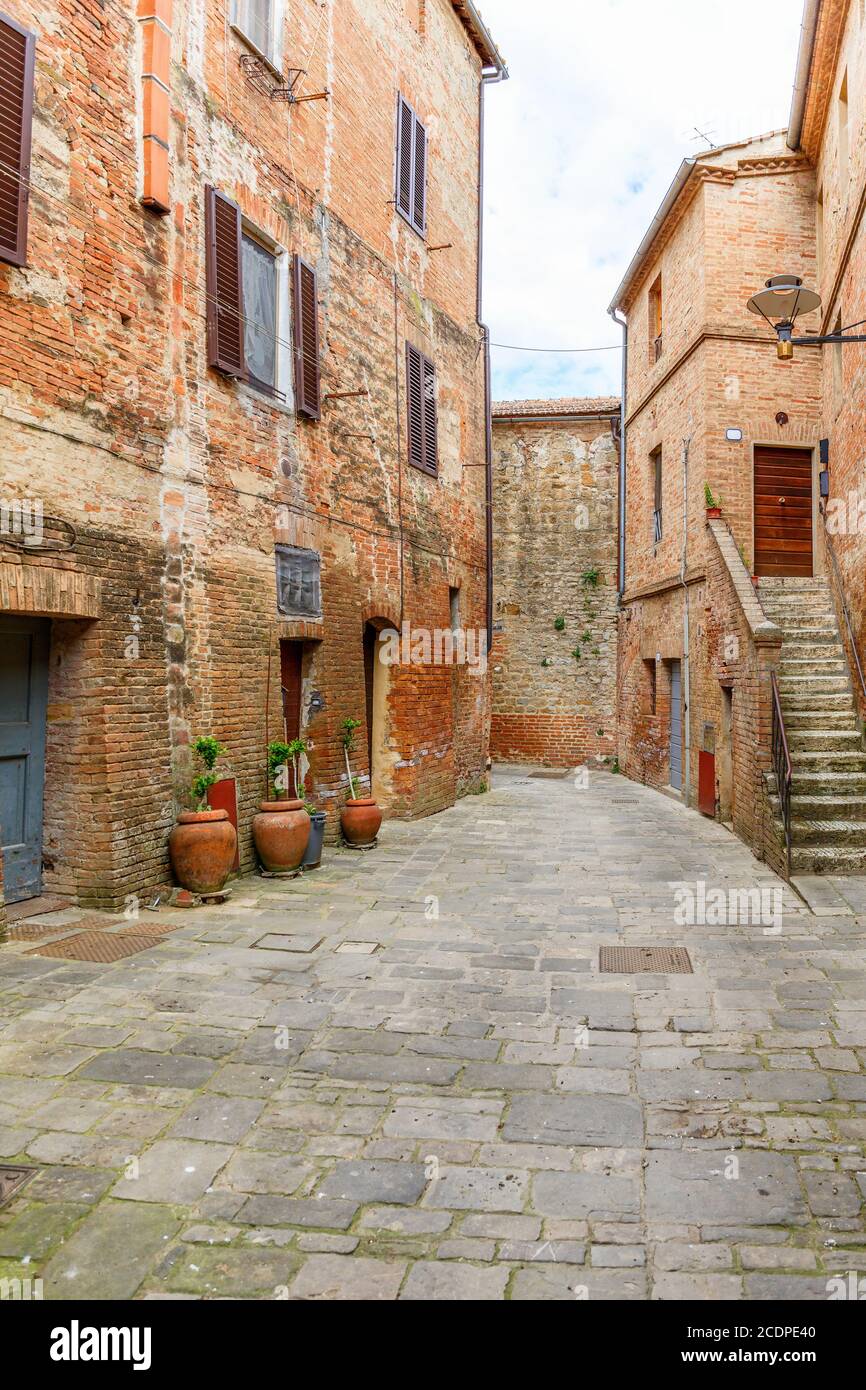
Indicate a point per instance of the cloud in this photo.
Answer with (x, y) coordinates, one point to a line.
(582, 144)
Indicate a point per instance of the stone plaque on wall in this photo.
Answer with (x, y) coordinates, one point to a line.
(299, 593)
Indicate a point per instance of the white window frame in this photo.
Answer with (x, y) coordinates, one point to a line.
(237, 16)
(283, 358)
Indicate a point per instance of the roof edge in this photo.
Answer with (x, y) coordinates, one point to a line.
(481, 36)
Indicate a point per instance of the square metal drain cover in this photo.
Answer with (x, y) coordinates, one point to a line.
(97, 947)
(643, 960)
(12, 1176)
(553, 774)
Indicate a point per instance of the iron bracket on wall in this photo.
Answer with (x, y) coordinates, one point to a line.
(274, 85)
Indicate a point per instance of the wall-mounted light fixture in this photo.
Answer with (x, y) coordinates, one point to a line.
(781, 302)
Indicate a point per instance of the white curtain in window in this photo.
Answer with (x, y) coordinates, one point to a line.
(260, 311)
(255, 17)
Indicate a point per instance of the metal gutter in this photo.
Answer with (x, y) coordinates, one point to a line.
(808, 31)
(606, 416)
(623, 412)
(489, 53)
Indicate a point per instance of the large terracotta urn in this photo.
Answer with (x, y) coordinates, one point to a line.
(360, 819)
(202, 849)
(281, 831)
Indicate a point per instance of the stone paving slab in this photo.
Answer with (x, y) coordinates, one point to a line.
(317, 1091)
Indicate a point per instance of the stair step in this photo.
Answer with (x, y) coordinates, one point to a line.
(812, 783)
(813, 651)
(830, 702)
(826, 740)
(829, 832)
(812, 720)
(829, 805)
(796, 666)
(827, 859)
(801, 683)
(827, 760)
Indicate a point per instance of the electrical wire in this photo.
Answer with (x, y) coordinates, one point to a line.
(512, 347)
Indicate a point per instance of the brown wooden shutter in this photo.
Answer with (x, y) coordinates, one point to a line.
(306, 335)
(421, 411)
(411, 189)
(225, 285)
(17, 54)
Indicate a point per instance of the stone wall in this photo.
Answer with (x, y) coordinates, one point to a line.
(555, 546)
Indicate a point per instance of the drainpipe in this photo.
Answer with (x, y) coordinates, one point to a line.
(808, 31)
(687, 694)
(623, 323)
(499, 75)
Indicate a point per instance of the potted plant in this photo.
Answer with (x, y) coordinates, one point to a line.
(360, 817)
(714, 507)
(282, 827)
(203, 843)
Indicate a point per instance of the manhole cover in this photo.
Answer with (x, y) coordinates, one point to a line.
(33, 931)
(551, 773)
(638, 960)
(11, 1178)
(98, 947)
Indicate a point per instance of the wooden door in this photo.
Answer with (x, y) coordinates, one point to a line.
(783, 512)
(23, 699)
(676, 739)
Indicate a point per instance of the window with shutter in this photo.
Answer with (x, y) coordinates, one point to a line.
(306, 339)
(411, 189)
(17, 53)
(225, 288)
(421, 411)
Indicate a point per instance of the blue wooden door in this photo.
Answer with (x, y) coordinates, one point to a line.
(676, 748)
(23, 698)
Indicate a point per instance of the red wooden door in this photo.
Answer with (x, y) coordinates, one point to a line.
(783, 512)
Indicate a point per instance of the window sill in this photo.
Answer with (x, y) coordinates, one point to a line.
(254, 48)
(262, 398)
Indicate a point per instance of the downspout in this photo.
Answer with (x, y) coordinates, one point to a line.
(687, 694)
(498, 76)
(808, 31)
(623, 323)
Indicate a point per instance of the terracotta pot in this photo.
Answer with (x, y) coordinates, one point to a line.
(360, 820)
(281, 831)
(202, 850)
(714, 513)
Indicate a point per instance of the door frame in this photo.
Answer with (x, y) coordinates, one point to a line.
(811, 449)
(40, 627)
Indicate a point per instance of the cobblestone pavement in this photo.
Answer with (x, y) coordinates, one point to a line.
(403, 1076)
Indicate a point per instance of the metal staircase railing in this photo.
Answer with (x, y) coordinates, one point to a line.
(782, 766)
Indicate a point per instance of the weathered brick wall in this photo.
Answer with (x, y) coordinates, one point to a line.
(179, 482)
(745, 213)
(555, 525)
(841, 281)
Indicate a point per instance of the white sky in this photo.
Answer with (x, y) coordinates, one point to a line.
(583, 141)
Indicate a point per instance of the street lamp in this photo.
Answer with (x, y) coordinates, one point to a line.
(781, 302)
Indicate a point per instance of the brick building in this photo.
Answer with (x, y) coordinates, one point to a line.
(738, 684)
(242, 380)
(555, 596)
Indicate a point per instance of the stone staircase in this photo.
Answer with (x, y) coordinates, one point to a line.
(828, 791)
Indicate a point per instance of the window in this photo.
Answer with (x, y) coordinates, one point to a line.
(652, 686)
(421, 411)
(843, 136)
(656, 459)
(247, 300)
(411, 164)
(260, 313)
(454, 608)
(305, 300)
(258, 22)
(17, 50)
(655, 320)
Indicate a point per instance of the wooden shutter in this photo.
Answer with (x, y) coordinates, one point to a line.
(411, 189)
(17, 53)
(225, 285)
(421, 411)
(305, 303)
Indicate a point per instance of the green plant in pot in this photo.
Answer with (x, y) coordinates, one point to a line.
(281, 829)
(713, 504)
(360, 817)
(203, 844)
